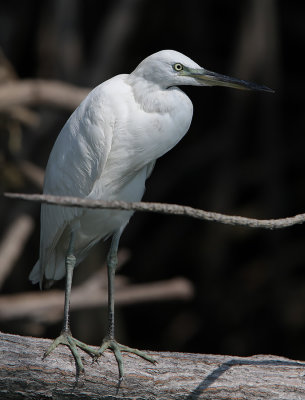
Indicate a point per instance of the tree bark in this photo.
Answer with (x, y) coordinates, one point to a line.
(24, 375)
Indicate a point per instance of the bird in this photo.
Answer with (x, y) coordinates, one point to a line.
(106, 150)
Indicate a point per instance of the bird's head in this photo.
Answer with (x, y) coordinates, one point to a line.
(168, 68)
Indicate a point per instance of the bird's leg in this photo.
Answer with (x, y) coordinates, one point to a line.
(112, 262)
(65, 337)
(109, 341)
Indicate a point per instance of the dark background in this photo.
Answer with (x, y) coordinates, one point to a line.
(243, 155)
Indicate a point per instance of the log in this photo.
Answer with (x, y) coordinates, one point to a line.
(24, 375)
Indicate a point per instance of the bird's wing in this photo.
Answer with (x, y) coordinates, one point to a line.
(76, 161)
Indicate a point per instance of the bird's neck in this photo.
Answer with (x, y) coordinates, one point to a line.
(150, 96)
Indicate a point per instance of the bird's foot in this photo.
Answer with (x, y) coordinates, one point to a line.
(68, 340)
(117, 349)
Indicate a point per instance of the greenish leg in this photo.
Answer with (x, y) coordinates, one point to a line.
(109, 342)
(65, 337)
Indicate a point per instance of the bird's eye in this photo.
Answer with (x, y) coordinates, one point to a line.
(178, 67)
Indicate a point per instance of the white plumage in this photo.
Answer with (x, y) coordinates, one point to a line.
(106, 150)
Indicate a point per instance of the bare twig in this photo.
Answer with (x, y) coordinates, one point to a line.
(16, 112)
(162, 208)
(32, 92)
(22, 114)
(47, 307)
(13, 243)
(32, 172)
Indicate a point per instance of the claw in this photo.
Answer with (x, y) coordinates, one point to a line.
(68, 340)
(117, 349)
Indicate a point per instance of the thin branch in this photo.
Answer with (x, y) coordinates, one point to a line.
(162, 208)
(47, 307)
(32, 172)
(22, 114)
(13, 243)
(35, 92)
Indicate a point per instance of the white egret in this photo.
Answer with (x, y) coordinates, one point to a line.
(106, 150)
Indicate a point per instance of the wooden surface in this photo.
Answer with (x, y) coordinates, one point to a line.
(24, 375)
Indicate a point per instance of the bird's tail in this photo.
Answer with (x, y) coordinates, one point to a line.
(34, 276)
